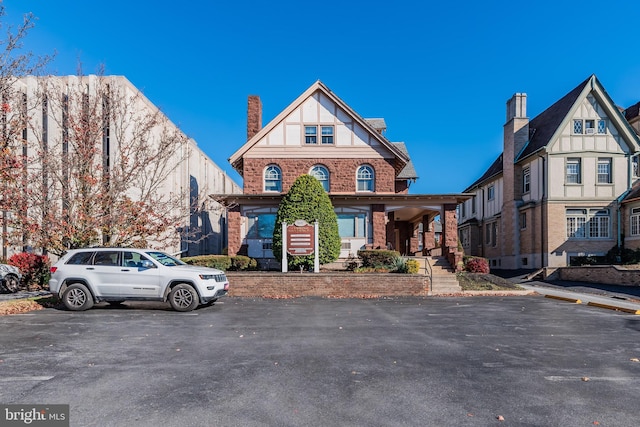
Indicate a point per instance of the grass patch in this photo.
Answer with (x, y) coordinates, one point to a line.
(485, 282)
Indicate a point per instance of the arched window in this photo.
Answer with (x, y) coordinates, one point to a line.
(273, 179)
(321, 174)
(365, 178)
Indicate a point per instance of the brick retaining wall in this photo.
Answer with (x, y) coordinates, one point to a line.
(608, 274)
(340, 285)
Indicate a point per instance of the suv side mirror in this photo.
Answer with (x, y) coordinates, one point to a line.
(147, 264)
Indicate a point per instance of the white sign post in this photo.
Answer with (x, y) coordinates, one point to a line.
(284, 247)
(316, 255)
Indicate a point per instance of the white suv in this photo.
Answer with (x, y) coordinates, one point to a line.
(83, 277)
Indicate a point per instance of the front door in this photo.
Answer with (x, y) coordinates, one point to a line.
(138, 281)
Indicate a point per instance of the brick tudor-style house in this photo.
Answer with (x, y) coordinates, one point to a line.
(565, 186)
(366, 176)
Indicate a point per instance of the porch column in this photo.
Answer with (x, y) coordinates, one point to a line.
(379, 227)
(428, 235)
(450, 235)
(391, 226)
(234, 224)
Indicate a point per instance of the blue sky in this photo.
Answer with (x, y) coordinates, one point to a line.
(440, 73)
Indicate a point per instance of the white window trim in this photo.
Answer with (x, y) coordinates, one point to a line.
(578, 162)
(371, 179)
(581, 221)
(609, 162)
(634, 222)
(265, 179)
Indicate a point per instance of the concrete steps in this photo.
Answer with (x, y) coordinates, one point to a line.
(443, 276)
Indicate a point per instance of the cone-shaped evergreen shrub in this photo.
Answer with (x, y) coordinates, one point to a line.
(308, 201)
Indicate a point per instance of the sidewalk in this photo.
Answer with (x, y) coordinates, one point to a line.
(621, 297)
(23, 294)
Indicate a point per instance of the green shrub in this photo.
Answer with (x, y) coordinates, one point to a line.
(378, 258)
(241, 262)
(307, 200)
(221, 262)
(405, 265)
(413, 266)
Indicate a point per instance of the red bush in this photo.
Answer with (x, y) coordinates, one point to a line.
(34, 268)
(477, 265)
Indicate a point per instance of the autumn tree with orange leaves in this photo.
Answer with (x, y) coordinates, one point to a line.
(15, 62)
(101, 167)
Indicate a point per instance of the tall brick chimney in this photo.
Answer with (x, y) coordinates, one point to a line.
(516, 135)
(254, 116)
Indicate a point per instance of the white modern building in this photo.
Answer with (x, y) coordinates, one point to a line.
(140, 161)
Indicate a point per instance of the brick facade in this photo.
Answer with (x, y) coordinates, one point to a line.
(346, 285)
(254, 116)
(342, 173)
(379, 227)
(234, 225)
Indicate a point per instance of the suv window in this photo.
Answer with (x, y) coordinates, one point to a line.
(80, 258)
(165, 259)
(134, 259)
(107, 258)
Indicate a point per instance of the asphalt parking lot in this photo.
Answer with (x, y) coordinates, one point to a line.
(318, 362)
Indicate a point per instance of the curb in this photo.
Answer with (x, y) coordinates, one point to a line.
(573, 300)
(614, 307)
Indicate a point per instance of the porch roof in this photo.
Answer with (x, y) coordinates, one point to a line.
(343, 199)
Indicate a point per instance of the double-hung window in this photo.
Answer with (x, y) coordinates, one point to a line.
(365, 178)
(604, 170)
(326, 134)
(311, 134)
(273, 179)
(574, 175)
(634, 220)
(491, 192)
(526, 180)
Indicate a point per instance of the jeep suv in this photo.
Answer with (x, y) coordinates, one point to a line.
(83, 277)
(9, 278)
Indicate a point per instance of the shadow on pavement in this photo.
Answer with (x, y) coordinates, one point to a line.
(616, 291)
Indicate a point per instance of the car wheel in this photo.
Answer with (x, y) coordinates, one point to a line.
(77, 297)
(183, 298)
(11, 283)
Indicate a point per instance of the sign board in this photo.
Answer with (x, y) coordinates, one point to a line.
(300, 238)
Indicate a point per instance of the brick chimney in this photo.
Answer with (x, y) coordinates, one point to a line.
(517, 122)
(254, 116)
(516, 135)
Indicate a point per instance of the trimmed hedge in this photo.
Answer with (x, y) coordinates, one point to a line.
(223, 262)
(378, 258)
(476, 265)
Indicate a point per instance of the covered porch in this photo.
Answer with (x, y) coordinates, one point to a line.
(402, 222)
